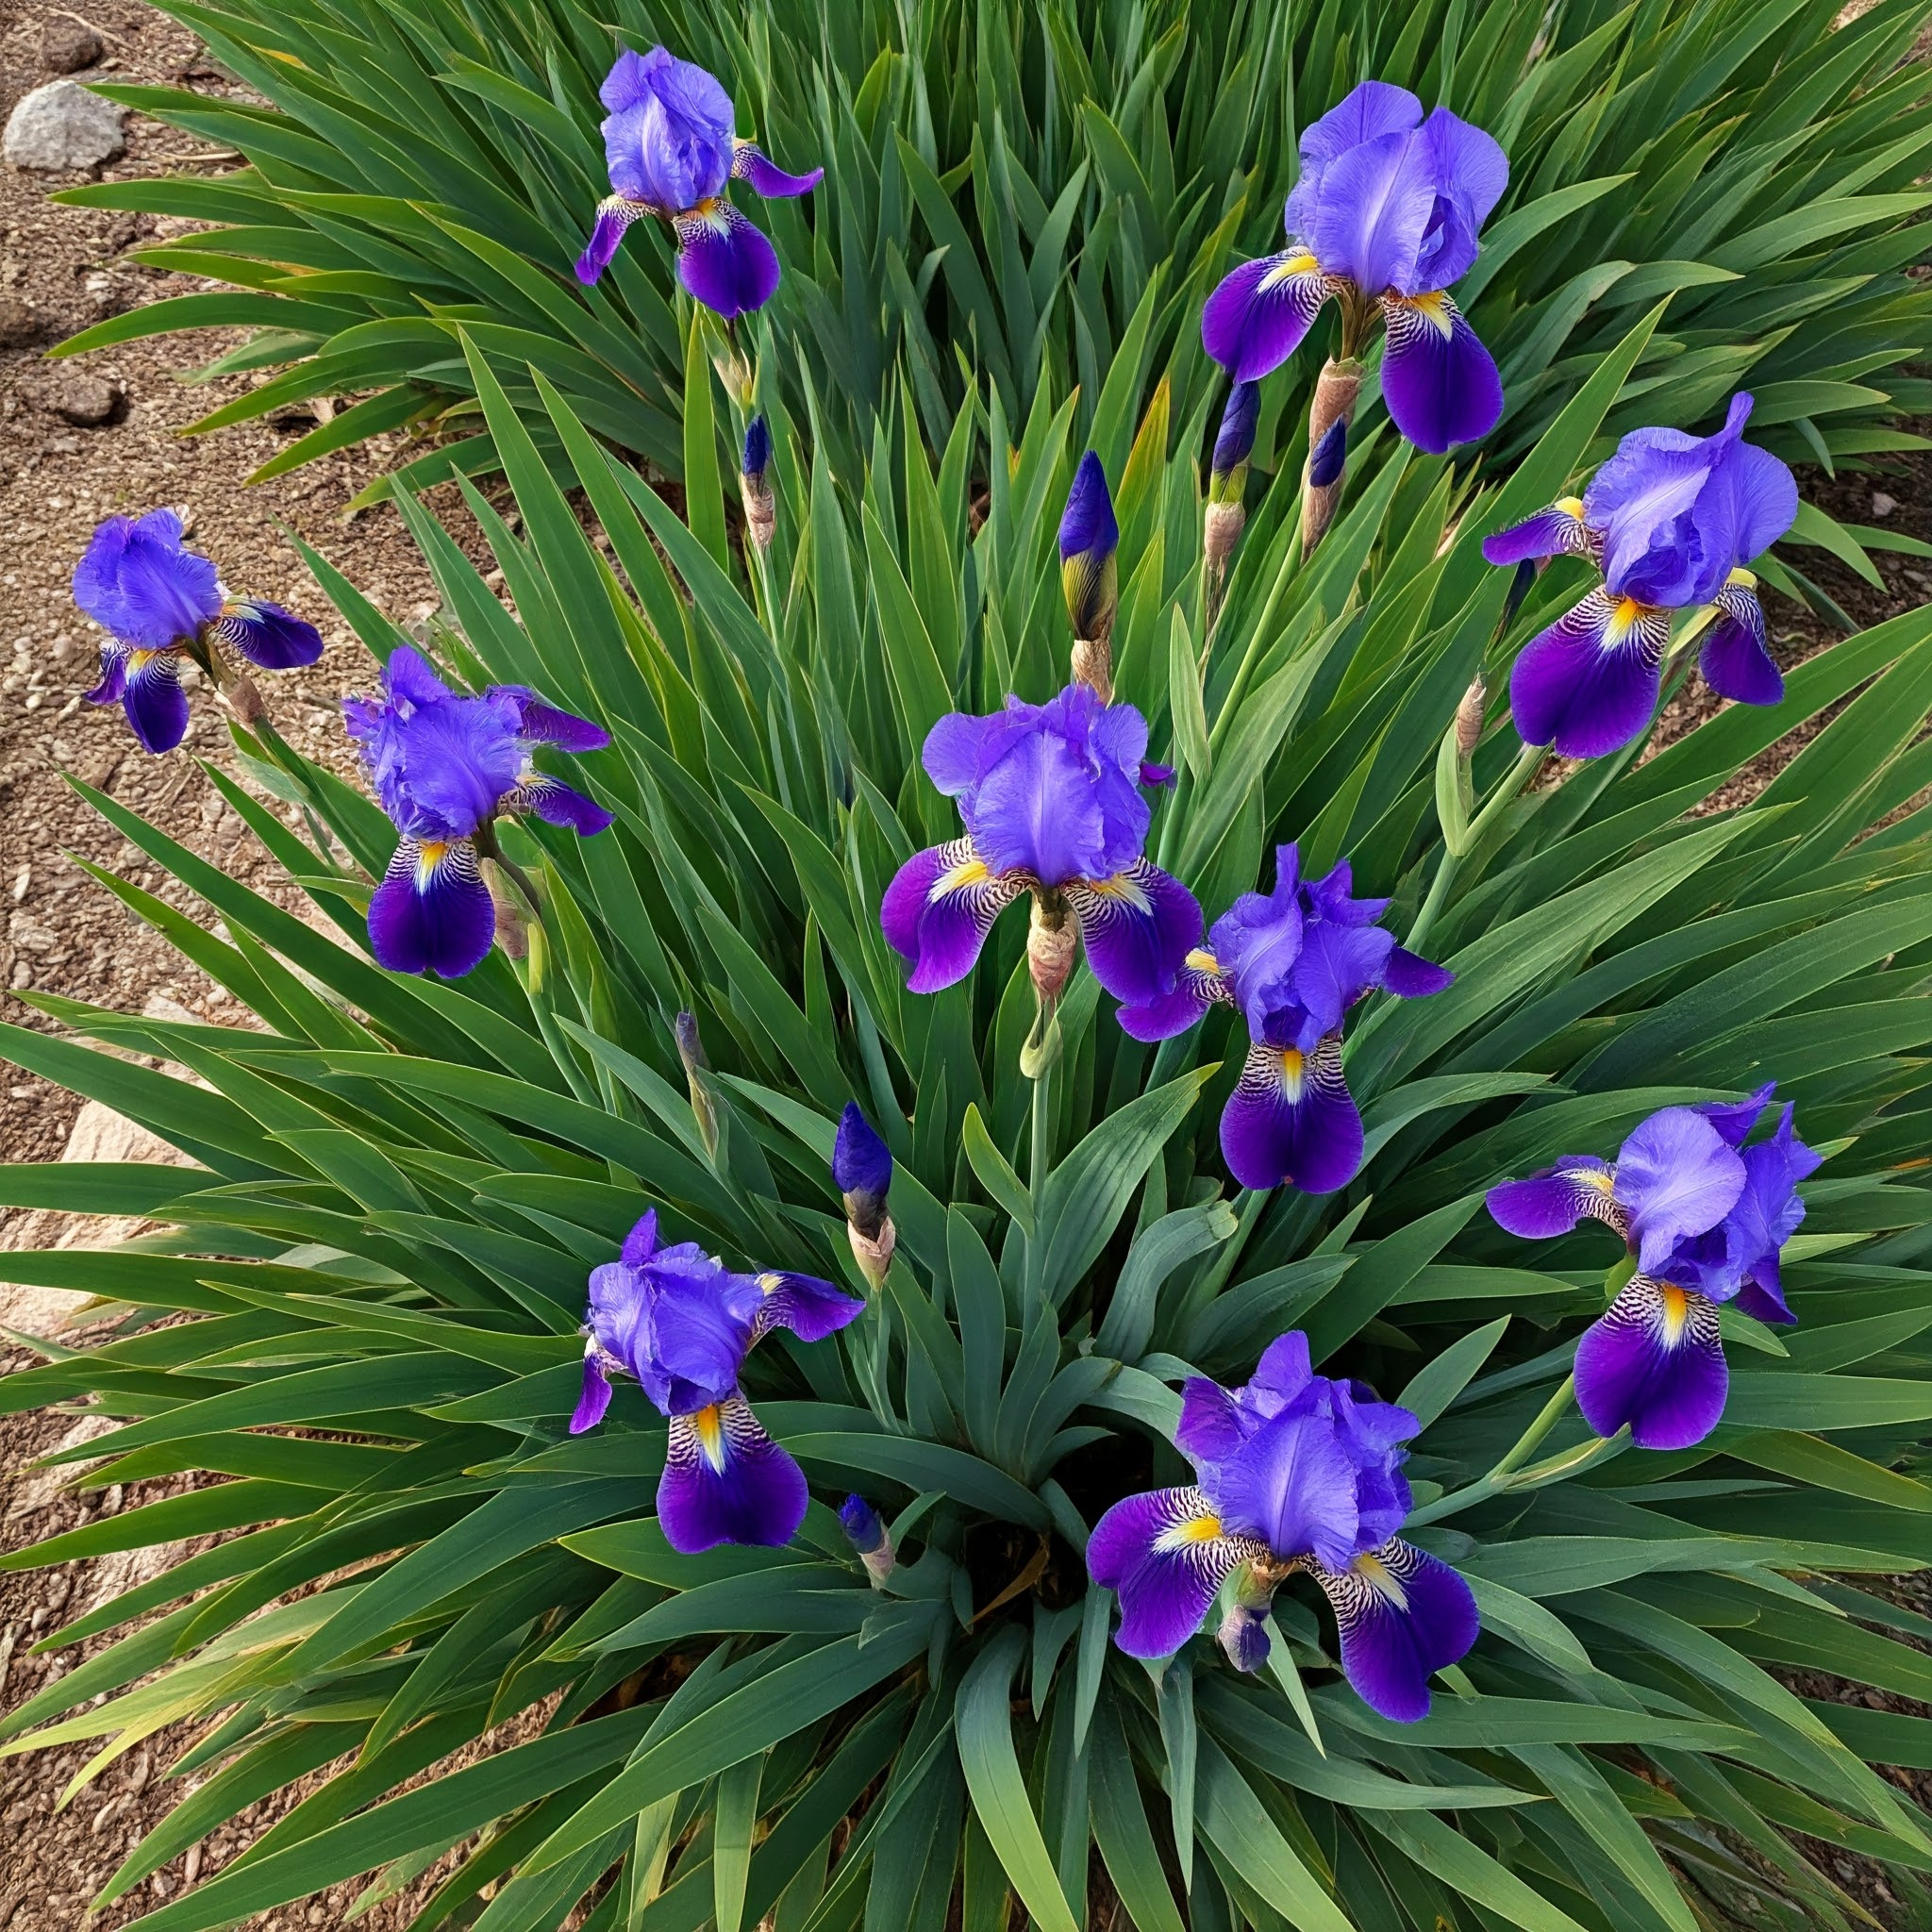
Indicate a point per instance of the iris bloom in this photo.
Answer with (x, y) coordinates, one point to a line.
(682, 1324)
(1291, 962)
(1384, 216)
(1050, 796)
(158, 601)
(670, 145)
(1670, 520)
(444, 768)
(1294, 1471)
(1705, 1217)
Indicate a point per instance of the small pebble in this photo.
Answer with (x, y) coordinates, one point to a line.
(1882, 505)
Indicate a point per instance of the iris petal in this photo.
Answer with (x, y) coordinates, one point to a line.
(811, 1308)
(726, 1481)
(1588, 684)
(152, 696)
(1654, 1364)
(432, 913)
(1442, 386)
(1138, 927)
(1552, 1203)
(596, 1397)
(267, 635)
(765, 178)
(1736, 660)
(1291, 1120)
(558, 804)
(1402, 1615)
(723, 261)
(939, 909)
(1164, 1554)
(615, 214)
(1558, 532)
(1256, 320)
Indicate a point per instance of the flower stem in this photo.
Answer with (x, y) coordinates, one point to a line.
(1504, 1475)
(1042, 1159)
(1520, 774)
(1245, 671)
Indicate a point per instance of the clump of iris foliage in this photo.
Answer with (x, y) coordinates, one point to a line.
(994, 1191)
(1039, 191)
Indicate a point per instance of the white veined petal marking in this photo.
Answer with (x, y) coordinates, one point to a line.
(1291, 267)
(1433, 310)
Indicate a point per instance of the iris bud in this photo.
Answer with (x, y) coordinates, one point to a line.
(691, 1051)
(760, 508)
(863, 1172)
(867, 1532)
(1469, 715)
(1089, 571)
(1051, 940)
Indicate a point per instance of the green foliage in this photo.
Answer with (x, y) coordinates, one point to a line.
(402, 1185)
(1039, 195)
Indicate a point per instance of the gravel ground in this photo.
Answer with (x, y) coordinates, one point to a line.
(59, 269)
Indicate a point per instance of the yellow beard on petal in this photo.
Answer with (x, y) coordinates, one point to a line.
(1124, 889)
(1294, 1072)
(1742, 579)
(1675, 1303)
(1196, 1529)
(969, 872)
(1571, 506)
(1434, 309)
(1299, 263)
(1625, 615)
(1377, 1575)
(1203, 961)
(428, 856)
(708, 1424)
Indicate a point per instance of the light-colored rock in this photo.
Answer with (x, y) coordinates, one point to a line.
(61, 128)
(34, 1489)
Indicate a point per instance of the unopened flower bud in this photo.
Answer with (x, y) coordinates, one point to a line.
(866, 1530)
(512, 929)
(1329, 416)
(760, 508)
(734, 371)
(1243, 1635)
(1052, 939)
(1234, 442)
(1469, 715)
(1222, 530)
(873, 1252)
(1093, 664)
(1090, 536)
(245, 701)
(691, 1051)
(861, 1169)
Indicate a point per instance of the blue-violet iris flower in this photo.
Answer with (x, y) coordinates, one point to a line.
(1706, 1218)
(1671, 519)
(159, 601)
(1291, 962)
(1385, 215)
(1050, 796)
(682, 1324)
(1294, 1471)
(444, 768)
(670, 145)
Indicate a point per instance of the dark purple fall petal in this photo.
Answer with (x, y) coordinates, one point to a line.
(726, 1481)
(1138, 928)
(766, 178)
(1290, 1121)
(1402, 1615)
(1654, 1364)
(432, 913)
(1588, 685)
(266, 635)
(1736, 660)
(151, 695)
(723, 261)
(937, 910)
(1440, 383)
(1256, 320)
(1164, 1555)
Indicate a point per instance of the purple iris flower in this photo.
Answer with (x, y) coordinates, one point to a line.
(1051, 799)
(1294, 1471)
(444, 768)
(670, 143)
(1706, 1218)
(1384, 216)
(1291, 962)
(682, 1324)
(158, 601)
(1671, 519)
